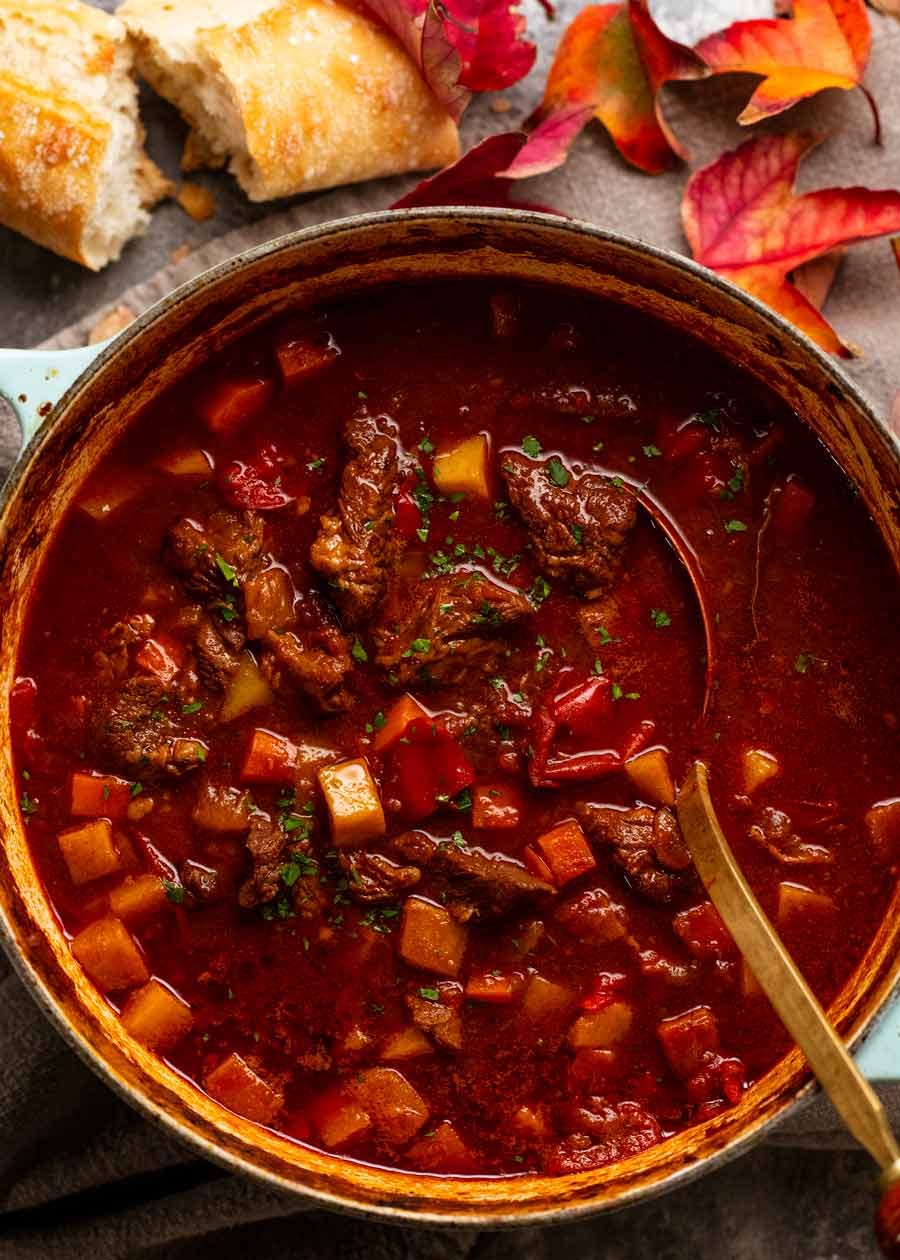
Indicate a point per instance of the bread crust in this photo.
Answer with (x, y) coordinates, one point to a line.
(313, 93)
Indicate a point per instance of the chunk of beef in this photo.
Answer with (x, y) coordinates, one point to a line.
(774, 830)
(373, 879)
(213, 557)
(112, 657)
(592, 915)
(603, 1133)
(445, 628)
(578, 530)
(443, 1023)
(647, 846)
(357, 546)
(480, 886)
(266, 845)
(137, 736)
(314, 670)
(218, 646)
(201, 881)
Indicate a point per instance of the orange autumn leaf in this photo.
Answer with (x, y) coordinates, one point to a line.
(611, 63)
(743, 220)
(825, 44)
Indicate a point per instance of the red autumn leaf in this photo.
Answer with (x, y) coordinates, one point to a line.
(480, 178)
(610, 65)
(743, 219)
(825, 44)
(460, 46)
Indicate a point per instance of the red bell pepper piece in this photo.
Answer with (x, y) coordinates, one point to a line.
(407, 516)
(257, 484)
(427, 767)
(583, 707)
(638, 738)
(582, 766)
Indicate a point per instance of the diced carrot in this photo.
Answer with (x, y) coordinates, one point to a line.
(883, 824)
(649, 772)
(536, 864)
(398, 1111)
(89, 851)
(545, 999)
(192, 462)
(110, 956)
(398, 717)
(99, 795)
(270, 758)
(408, 1043)
(338, 1119)
(231, 403)
(487, 986)
(759, 766)
(566, 851)
(800, 905)
(156, 1016)
(496, 806)
(442, 1150)
(303, 356)
(689, 1040)
(465, 468)
(431, 938)
(221, 808)
(138, 898)
(602, 1029)
(163, 658)
(353, 802)
(235, 1084)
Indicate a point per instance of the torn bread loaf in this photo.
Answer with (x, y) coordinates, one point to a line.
(73, 172)
(294, 94)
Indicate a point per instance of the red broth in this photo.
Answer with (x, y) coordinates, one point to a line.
(480, 949)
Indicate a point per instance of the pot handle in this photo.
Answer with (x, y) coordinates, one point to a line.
(33, 381)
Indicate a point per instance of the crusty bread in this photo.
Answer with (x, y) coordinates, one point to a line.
(297, 94)
(73, 173)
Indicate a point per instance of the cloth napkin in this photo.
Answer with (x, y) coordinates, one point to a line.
(81, 1175)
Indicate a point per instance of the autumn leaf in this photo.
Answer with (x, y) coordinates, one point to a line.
(743, 219)
(480, 178)
(610, 64)
(825, 44)
(460, 46)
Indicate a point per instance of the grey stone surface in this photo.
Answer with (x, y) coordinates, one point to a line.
(772, 1204)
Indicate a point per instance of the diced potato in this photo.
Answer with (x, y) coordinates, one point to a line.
(89, 851)
(431, 938)
(229, 404)
(157, 1017)
(442, 1150)
(883, 824)
(117, 489)
(99, 795)
(339, 1119)
(408, 1043)
(353, 803)
(221, 808)
(495, 806)
(270, 758)
(398, 1111)
(649, 772)
(398, 717)
(600, 1030)
(188, 462)
(237, 1086)
(566, 851)
(162, 658)
(759, 766)
(138, 897)
(355, 1040)
(247, 689)
(502, 989)
(110, 956)
(689, 1040)
(545, 999)
(465, 468)
(800, 905)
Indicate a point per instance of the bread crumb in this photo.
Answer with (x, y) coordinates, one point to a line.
(114, 321)
(196, 201)
(500, 105)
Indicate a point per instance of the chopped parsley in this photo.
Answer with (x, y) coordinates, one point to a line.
(735, 527)
(540, 590)
(734, 485)
(358, 652)
(426, 446)
(379, 918)
(617, 692)
(463, 800)
(660, 618)
(174, 892)
(315, 464)
(605, 636)
(577, 533)
(651, 451)
(417, 648)
(194, 707)
(531, 446)
(27, 804)
(422, 533)
(135, 789)
(228, 571)
(557, 472)
(598, 666)
(430, 995)
(802, 663)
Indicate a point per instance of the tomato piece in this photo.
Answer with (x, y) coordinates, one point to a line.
(427, 767)
(257, 484)
(407, 515)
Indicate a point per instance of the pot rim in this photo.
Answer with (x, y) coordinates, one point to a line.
(25, 968)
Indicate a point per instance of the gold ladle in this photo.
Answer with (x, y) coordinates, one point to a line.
(790, 995)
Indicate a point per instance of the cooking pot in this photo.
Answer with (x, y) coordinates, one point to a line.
(91, 395)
